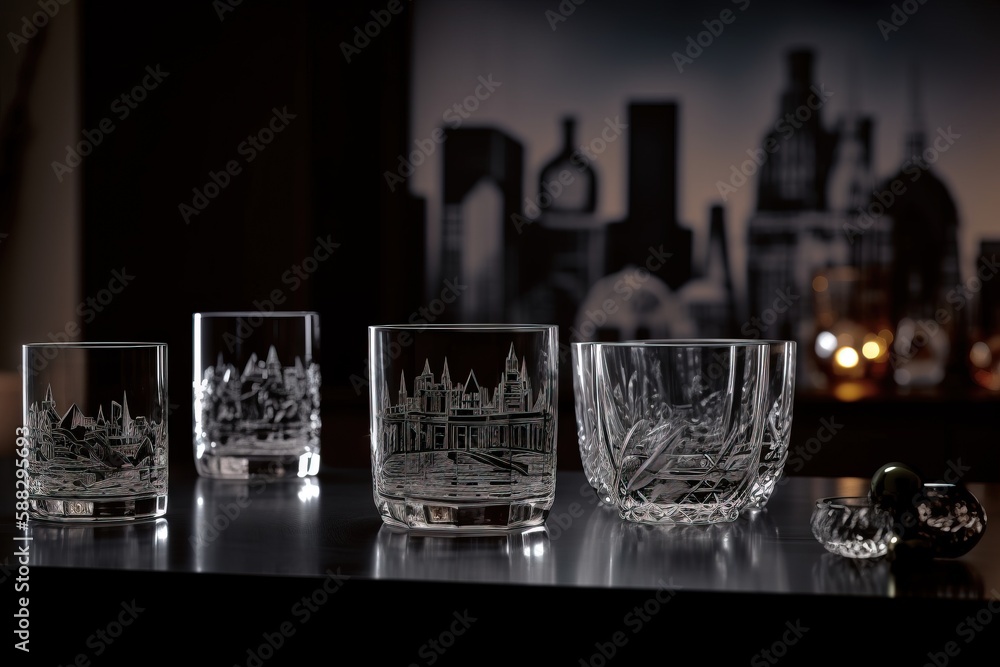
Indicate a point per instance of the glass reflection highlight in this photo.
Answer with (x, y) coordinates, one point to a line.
(231, 518)
(519, 556)
(128, 546)
(714, 557)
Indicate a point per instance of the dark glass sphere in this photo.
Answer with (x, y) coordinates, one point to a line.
(894, 487)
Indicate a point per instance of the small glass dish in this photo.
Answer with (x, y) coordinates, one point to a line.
(852, 527)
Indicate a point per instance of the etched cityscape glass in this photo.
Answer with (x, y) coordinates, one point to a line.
(256, 394)
(95, 424)
(463, 425)
(680, 427)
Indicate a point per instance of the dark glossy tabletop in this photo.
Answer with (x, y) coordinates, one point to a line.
(240, 561)
(306, 527)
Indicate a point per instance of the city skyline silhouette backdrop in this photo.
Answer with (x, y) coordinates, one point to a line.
(592, 63)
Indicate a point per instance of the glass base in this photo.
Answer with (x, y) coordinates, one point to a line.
(430, 516)
(681, 513)
(97, 509)
(241, 466)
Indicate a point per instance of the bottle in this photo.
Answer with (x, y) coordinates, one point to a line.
(567, 183)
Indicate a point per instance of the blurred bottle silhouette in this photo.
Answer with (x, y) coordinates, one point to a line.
(709, 296)
(567, 183)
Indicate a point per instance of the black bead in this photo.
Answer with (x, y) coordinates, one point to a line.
(894, 487)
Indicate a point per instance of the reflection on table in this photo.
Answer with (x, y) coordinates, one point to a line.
(724, 556)
(234, 521)
(307, 527)
(142, 545)
(522, 557)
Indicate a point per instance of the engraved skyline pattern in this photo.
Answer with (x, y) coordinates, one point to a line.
(264, 402)
(75, 452)
(499, 441)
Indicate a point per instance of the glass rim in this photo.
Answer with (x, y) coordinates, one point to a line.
(692, 343)
(255, 313)
(485, 327)
(93, 345)
(708, 341)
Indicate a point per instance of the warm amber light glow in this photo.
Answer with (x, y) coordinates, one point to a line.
(871, 350)
(846, 357)
(849, 391)
(820, 283)
(886, 335)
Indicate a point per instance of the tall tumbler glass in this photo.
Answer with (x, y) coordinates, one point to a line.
(256, 394)
(680, 427)
(95, 424)
(463, 425)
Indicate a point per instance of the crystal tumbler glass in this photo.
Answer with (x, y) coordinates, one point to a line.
(463, 425)
(680, 427)
(779, 404)
(256, 394)
(582, 360)
(95, 431)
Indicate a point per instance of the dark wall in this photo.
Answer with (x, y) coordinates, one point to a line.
(222, 79)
